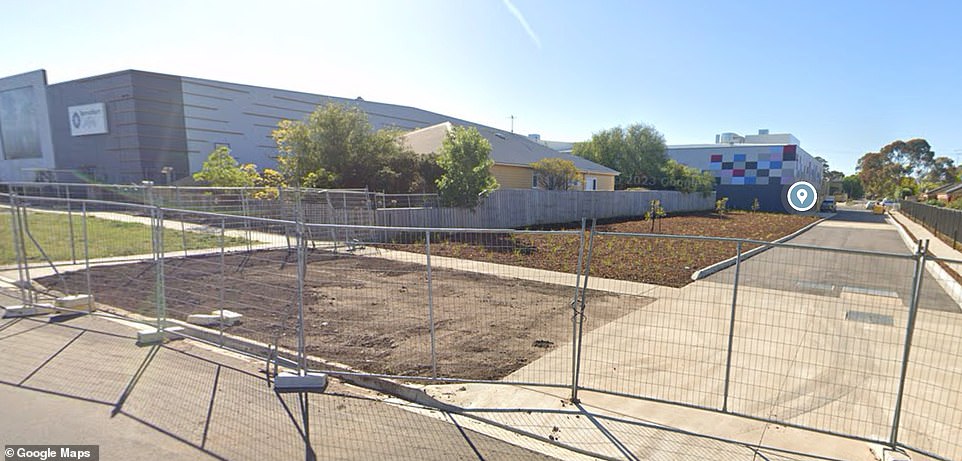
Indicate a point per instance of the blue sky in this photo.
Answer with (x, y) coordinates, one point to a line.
(846, 77)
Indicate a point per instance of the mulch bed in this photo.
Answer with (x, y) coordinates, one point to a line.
(656, 260)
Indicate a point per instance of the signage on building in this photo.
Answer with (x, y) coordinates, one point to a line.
(87, 119)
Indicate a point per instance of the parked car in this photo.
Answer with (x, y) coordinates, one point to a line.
(828, 204)
(870, 204)
(888, 202)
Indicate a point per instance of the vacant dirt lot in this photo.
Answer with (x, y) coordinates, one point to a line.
(369, 313)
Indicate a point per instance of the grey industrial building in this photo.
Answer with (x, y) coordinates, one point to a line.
(132, 125)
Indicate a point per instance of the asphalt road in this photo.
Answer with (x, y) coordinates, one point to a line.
(830, 273)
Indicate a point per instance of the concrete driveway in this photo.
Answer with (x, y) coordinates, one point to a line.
(828, 273)
(818, 343)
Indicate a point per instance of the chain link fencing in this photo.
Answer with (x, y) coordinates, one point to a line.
(854, 343)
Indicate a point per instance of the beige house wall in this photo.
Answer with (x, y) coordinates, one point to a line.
(519, 177)
(512, 177)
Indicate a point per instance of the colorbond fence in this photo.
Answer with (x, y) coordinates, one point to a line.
(518, 208)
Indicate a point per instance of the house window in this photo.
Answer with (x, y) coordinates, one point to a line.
(591, 183)
(534, 180)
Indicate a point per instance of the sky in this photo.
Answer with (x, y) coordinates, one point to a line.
(845, 77)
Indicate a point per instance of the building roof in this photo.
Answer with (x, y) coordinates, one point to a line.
(719, 146)
(941, 188)
(952, 189)
(506, 148)
(560, 146)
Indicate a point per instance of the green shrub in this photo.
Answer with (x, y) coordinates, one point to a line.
(721, 205)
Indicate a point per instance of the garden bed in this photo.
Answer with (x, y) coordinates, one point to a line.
(656, 260)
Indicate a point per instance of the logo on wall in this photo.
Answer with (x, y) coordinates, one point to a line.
(88, 119)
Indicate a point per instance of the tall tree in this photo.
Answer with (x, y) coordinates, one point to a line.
(943, 171)
(337, 147)
(914, 156)
(828, 174)
(637, 152)
(879, 174)
(555, 173)
(465, 159)
(852, 186)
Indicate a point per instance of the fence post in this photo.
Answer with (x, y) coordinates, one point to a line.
(581, 313)
(73, 245)
(731, 324)
(157, 241)
(223, 281)
(575, 302)
(21, 258)
(920, 254)
(434, 357)
(301, 276)
(955, 232)
(83, 224)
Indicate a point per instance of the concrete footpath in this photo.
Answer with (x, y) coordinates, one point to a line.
(798, 358)
(84, 381)
(800, 355)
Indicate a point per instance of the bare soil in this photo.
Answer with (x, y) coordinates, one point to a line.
(650, 259)
(366, 312)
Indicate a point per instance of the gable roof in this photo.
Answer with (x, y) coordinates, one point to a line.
(506, 148)
(952, 189)
(942, 188)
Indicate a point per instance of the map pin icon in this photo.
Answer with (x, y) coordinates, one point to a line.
(802, 195)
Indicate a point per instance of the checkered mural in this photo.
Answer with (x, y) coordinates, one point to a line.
(777, 166)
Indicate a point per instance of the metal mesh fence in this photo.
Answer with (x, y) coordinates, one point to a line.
(856, 343)
(818, 338)
(932, 405)
(667, 343)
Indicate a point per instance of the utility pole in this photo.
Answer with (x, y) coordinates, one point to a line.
(512, 123)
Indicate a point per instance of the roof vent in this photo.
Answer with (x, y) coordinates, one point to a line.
(500, 135)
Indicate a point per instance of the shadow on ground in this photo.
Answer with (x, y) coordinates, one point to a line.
(84, 381)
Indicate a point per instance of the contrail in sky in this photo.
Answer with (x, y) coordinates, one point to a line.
(524, 23)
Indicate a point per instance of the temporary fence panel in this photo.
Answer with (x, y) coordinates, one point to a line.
(855, 343)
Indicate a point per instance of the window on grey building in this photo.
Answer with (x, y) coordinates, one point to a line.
(19, 127)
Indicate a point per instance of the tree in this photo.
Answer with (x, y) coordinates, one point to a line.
(465, 159)
(881, 172)
(942, 171)
(655, 211)
(914, 156)
(637, 152)
(879, 175)
(555, 173)
(852, 186)
(828, 174)
(337, 147)
(684, 178)
(222, 170)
